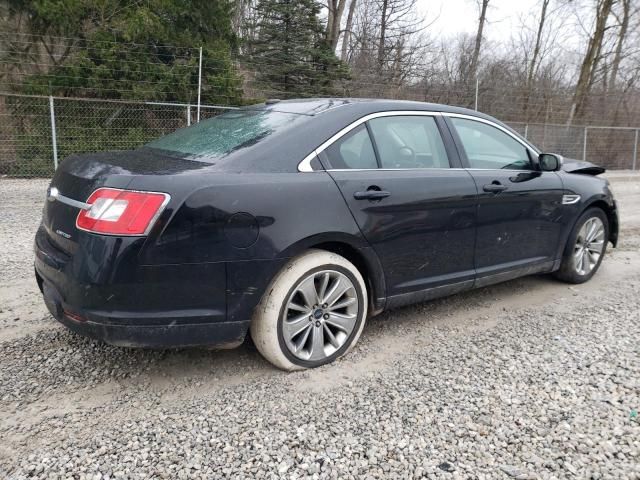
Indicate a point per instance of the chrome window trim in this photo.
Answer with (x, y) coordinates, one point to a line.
(389, 169)
(429, 169)
(305, 164)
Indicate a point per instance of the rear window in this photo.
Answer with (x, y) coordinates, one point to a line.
(223, 134)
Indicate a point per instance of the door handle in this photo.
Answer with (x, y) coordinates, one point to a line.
(495, 187)
(371, 195)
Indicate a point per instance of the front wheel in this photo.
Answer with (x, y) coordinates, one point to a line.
(313, 312)
(586, 247)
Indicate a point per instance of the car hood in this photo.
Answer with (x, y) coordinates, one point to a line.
(579, 166)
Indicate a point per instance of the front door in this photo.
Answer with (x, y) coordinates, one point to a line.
(519, 206)
(418, 214)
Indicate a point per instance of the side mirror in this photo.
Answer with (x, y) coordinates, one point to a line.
(550, 162)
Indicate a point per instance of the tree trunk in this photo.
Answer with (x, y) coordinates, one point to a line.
(534, 58)
(347, 31)
(473, 70)
(383, 33)
(590, 61)
(287, 30)
(336, 10)
(624, 26)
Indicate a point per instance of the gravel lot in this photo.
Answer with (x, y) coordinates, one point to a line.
(527, 379)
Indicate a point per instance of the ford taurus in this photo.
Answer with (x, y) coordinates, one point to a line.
(297, 220)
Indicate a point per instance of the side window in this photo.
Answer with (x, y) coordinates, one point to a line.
(410, 141)
(490, 148)
(354, 150)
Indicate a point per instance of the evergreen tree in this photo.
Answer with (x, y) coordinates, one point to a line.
(289, 53)
(129, 50)
(110, 49)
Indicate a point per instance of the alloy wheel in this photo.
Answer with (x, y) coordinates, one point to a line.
(320, 315)
(589, 246)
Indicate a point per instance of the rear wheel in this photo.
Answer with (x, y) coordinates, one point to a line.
(586, 247)
(312, 313)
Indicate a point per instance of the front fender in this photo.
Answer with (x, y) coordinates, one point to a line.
(594, 192)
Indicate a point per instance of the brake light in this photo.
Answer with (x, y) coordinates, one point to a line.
(121, 212)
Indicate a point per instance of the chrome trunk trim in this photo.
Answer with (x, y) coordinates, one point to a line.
(54, 194)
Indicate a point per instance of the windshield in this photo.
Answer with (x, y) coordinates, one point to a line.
(223, 134)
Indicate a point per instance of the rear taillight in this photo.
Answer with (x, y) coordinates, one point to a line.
(121, 212)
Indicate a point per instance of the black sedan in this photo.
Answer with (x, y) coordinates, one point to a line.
(296, 220)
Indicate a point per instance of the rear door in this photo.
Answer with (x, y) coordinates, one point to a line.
(519, 206)
(417, 212)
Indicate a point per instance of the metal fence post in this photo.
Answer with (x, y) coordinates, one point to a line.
(526, 131)
(189, 115)
(635, 151)
(584, 145)
(54, 141)
(477, 88)
(199, 84)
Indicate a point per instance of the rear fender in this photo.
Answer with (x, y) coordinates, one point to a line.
(357, 251)
(247, 281)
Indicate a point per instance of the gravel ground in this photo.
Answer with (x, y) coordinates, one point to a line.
(527, 379)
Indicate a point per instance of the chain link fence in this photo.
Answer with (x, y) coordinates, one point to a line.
(614, 148)
(98, 107)
(37, 132)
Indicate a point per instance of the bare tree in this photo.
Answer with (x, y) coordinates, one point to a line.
(622, 35)
(482, 6)
(385, 45)
(398, 21)
(591, 59)
(347, 30)
(533, 63)
(244, 22)
(383, 31)
(539, 59)
(334, 19)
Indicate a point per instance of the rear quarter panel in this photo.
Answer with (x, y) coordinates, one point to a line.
(252, 222)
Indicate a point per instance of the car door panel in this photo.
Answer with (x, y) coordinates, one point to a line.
(520, 225)
(420, 221)
(519, 210)
(424, 231)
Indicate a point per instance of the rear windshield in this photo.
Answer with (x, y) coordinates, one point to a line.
(223, 134)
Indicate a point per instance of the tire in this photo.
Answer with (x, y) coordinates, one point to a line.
(576, 271)
(331, 331)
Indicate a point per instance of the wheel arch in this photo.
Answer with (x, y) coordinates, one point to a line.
(612, 217)
(359, 253)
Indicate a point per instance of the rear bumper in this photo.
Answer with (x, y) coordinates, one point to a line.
(125, 304)
(136, 331)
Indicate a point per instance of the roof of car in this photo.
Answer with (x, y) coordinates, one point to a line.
(318, 106)
(321, 119)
